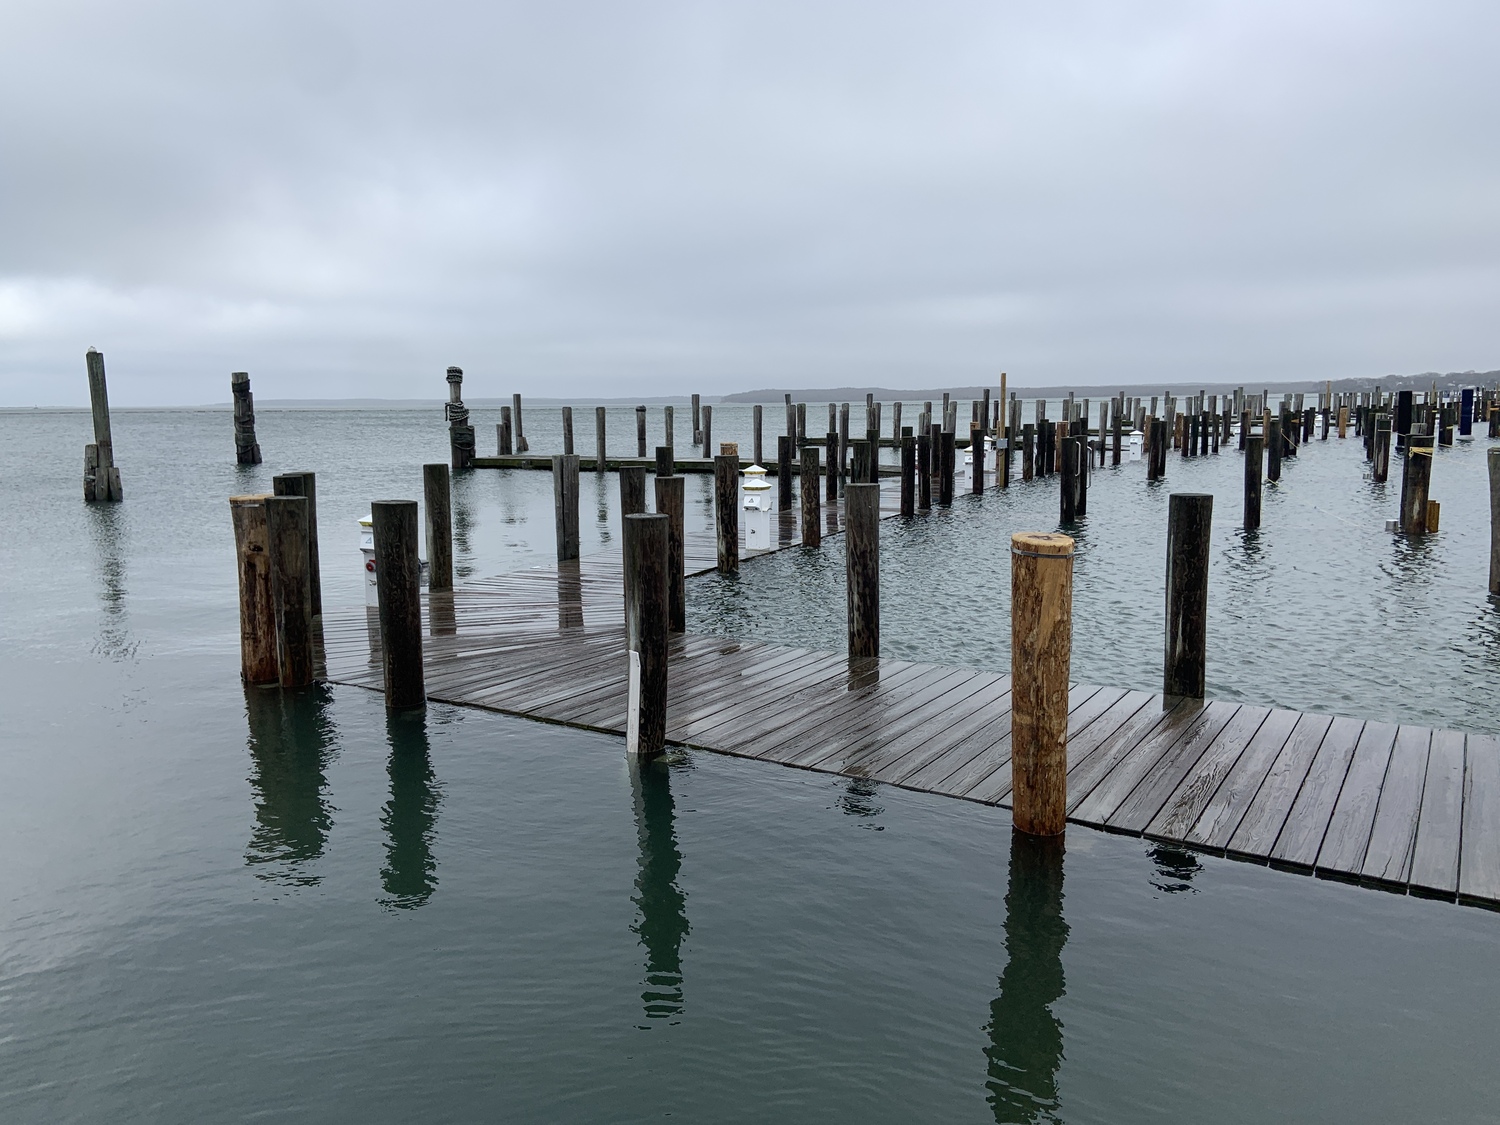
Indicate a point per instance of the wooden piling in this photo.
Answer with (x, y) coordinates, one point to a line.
(518, 434)
(1380, 464)
(862, 568)
(707, 416)
(669, 423)
(1041, 601)
(784, 473)
(1067, 491)
(1189, 521)
(1492, 462)
(755, 425)
(438, 501)
(504, 432)
(1416, 478)
(565, 504)
(671, 493)
(1253, 446)
(646, 549)
(291, 588)
(567, 429)
(632, 489)
(460, 433)
(976, 457)
(908, 471)
(947, 454)
(306, 484)
(101, 479)
(258, 663)
(1028, 451)
(924, 469)
(1343, 422)
(246, 449)
(664, 465)
(727, 512)
(397, 577)
(601, 448)
(640, 431)
(831, 449)
(698, 420)
(812, 510)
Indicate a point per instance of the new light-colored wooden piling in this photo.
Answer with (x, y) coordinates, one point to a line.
(1253, 459)
(727, 512)
(291, 588)
(437, 496)
(1416, 478)
(246, 448)
(1041, 651)
(1189, 522)
(812, 509)
(632, 489)
(646, 569)
(258, 664)
(671, 502)
(565, 504)
(397, 580)
(862, 568)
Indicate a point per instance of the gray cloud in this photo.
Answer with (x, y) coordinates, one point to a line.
(633, 198)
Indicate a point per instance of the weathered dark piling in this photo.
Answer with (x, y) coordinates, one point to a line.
(727, 512)
(258, 664)
(784, 473)
(518, 432)
(831, 442)
(1041, 597)
(1380, 464)
(948, 455)
(698, 420)
(460, 433)
(632, 489)
(1189, 522)
(707, 416)
(1067, 491)
(757, 444)
(101, 480)
(812, 510)
(647, 591)
(291, 588)
(976, 457)
(1028, 451)
(503, 432)
(306, 484)
(671, 495)
(601, 448)
(567, 429)
(397, 578)
(669, 424)
(1253, 447)
(862, 568)
(438, 501)
(859, 461)
(908, 470)
(640, 431)
(1416, 478)
(1492, 462)
(664, 465)
(924, 469)
(565, 504)
(246, 449)
(1273, 449)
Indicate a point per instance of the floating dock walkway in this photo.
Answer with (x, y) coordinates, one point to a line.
(1402, 807)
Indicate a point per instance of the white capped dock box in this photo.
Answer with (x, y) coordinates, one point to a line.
(758, 505)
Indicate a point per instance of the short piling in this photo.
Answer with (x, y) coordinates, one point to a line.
(1041, 584)
(1189, 521)
(812, 510)
(438, 501)
(565, 504)
(246, 448)
(397, 576)
(258, 664)
(1380, 465)
(727, 512)
(632, 489)
(1416, 478)
(291, 588)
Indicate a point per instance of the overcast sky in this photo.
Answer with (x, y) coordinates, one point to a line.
(629, 198)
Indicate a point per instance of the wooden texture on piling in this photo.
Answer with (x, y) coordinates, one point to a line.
(947, 457)
(567, 428)
(601, 446)
(783, 473)
(812, 509)
(640, 432)
(632, 489)
(258, 664)
(671, 501)
(397, 579)
(291, 588)
(1041, 649)
(306, 484)
(646, 571)
(1380, 463)
(1416, 479)
(246, 448)
(908, 470)
(101, 479)
(565, 505)
(437, 499)
(1252, 481)
(727, 513)
(1492, 463)
(924, 469)
(1185, 664)
(862, 568)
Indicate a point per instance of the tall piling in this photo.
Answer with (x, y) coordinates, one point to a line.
(862, 568)
(1416, 478)
(727, 512)
(460, 433)
(246, 448)
(1253, 445)
(601, 448)
(101, 479)
(291, 588)
(437, 495)
(640, 431)
(397, 578)
(1041, 650)
(647, 591)
(252, 545)
(306, 485)
(908, 472)
(812, 510)
(565, 505)
(1185, 664)
(1492, 462)
(671, 502)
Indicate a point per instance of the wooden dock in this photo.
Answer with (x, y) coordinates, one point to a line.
(1402, 807)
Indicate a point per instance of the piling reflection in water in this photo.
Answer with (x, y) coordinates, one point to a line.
(292, 741)
(661, 922)
(442, 614)
(409, 818)
(461, 490)
(108, 531)
(859, 799)
(1175, 868)
(1025, 1037)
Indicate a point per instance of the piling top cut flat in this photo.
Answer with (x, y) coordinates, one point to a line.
(1041, 543)
(250, 498)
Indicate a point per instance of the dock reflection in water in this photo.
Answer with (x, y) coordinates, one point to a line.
(409, 818)
(1026, 1045)
(108, 532)
(292, 742)
(662, 921)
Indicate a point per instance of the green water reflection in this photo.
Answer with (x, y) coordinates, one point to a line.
(291, 742)
(409, 819)
(661, 920)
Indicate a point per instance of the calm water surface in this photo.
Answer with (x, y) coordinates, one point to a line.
(220, 905)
